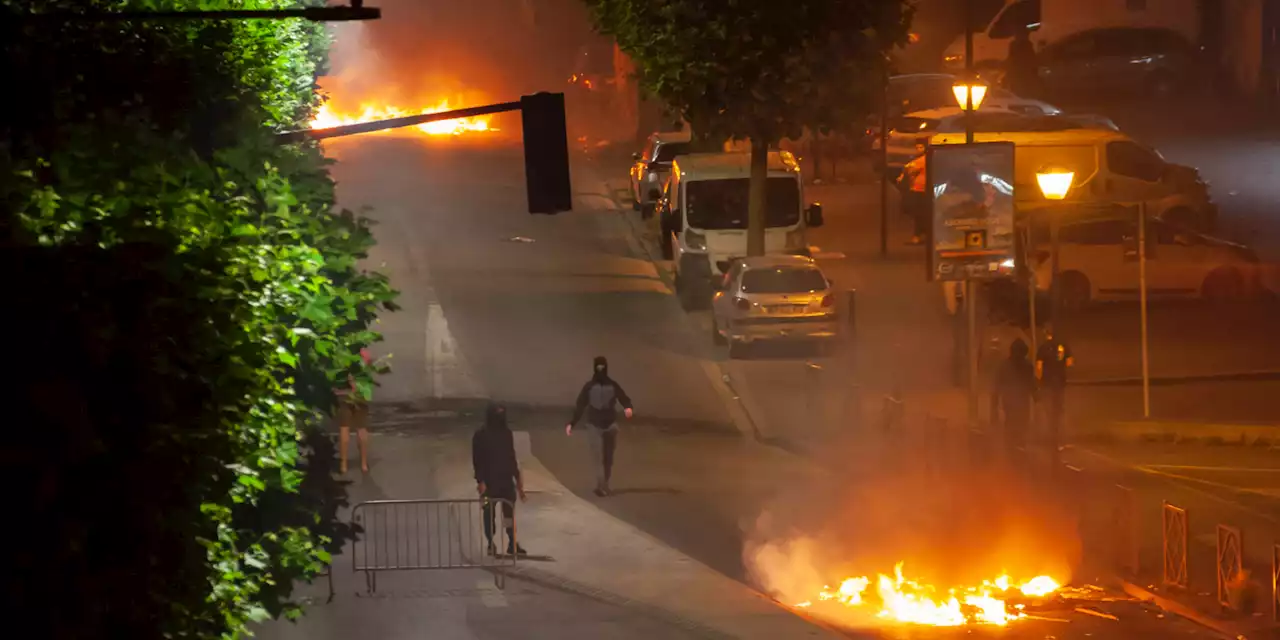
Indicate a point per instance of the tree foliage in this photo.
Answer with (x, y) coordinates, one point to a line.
(758, 69)
(195, 302)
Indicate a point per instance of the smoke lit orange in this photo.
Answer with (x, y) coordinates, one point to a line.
(327, 117)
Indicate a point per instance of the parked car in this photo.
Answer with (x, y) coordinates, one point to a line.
(774, 297)
(1099, 263)
(650, 167)
(1120, 60)
(920, 127)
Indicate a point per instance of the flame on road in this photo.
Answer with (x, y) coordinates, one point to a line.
(903, 600)
(327, 117)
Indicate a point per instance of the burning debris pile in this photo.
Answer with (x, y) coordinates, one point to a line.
(968, 546)
(898, 599)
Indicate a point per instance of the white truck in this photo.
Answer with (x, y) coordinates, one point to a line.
(1052, 20)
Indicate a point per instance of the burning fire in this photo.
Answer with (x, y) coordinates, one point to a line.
(903, 600)
(326, 117)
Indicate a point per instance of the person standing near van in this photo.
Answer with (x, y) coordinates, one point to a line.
(1013, 392)
(915, 201)
(599, 400)
(1022, 68)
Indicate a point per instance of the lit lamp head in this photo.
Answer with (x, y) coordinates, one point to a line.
(1055, 183)
(964, 90)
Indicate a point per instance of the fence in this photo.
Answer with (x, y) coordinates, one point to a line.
(420, 535)
(1107, 512)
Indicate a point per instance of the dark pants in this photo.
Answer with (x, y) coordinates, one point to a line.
(917, 205)
(601, 444)
(1055, 407)
(508, 513)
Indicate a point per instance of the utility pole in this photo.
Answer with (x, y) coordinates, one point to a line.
(971, 285)
(884, 161)
(1142, 295)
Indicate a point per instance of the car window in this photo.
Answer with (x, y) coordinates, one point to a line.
(1024, 14)
(1133, 160)
(1077, 47)
(668, 152)
(1100, 232)
(783, 280)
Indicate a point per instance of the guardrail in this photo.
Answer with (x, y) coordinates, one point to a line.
(1107, 513)
(421, 535)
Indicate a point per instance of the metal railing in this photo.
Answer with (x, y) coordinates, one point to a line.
(1230, 564)
(420, 535)
(1174, 544)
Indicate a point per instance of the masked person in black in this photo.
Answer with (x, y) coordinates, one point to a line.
(493, 456)
(1053, 358)
(599, 399)
(1015, 386)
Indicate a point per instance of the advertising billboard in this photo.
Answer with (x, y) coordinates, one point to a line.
(972, 234)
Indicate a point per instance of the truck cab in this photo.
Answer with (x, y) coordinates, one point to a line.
(703, 217)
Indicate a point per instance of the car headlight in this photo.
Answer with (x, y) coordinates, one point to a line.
(695, 241)
(795, 239)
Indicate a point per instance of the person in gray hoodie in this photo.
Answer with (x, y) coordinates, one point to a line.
(599, 400)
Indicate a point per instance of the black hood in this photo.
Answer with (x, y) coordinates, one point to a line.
(495, 417)
(600, 368)
(1018, 350)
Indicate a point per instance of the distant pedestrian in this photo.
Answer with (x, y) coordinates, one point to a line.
(1013, 393)
(1022, 68)
(353, 412)
(599, 400)
(915, 200)
(1053, 358)
(498, 479)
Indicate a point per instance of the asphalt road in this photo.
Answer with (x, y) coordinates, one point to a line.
(498, 303)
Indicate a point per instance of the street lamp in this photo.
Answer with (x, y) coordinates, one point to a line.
(1055, 184)
(970, 91)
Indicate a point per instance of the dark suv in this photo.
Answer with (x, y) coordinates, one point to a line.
(1119, 60)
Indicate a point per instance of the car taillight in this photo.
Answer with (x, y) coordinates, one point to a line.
(742, 304)
(828, 300)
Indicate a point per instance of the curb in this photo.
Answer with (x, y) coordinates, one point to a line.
(1168, 431)
(1227, 628)
(1164, 381)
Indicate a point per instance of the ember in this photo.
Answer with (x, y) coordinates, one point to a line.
(902, 600)
(327, 117)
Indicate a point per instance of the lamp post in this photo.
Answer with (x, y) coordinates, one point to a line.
(969, 95)
(1055, 184)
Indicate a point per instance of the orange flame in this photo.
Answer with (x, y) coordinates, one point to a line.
(326, 117)
(908, 601)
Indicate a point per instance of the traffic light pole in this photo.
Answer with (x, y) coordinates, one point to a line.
(970, 285)
(394, 123)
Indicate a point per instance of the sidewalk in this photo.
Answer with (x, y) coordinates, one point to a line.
(595, 576)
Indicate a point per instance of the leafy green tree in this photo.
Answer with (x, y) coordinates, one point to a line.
(759, 70)
(192, 301)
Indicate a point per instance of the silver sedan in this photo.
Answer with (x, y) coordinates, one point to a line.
(774, 297)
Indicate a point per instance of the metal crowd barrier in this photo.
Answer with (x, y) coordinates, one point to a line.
(1174, 543)
(421, 535)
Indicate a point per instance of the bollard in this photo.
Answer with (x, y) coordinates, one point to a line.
(851, 308)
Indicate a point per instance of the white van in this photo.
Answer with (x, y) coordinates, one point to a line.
(703, 216)
(1110, 167)
(1052, 20)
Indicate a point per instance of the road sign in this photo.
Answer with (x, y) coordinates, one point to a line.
(972, 210)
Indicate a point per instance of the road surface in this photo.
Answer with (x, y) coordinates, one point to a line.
(501, 304)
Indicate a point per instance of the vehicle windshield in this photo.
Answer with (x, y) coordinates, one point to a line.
(669, 151)
(722, 204)
(783, 280)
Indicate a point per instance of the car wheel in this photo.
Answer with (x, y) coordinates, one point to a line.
(1224, 286)
(717, 338)
(1075, 292)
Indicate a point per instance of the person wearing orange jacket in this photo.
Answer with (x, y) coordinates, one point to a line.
(915, 200)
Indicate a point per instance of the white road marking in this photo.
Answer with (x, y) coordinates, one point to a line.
(447, 368)
(1188, 467)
